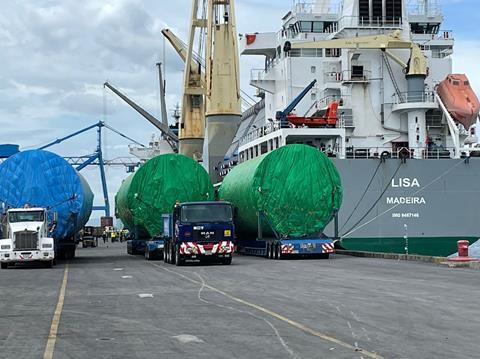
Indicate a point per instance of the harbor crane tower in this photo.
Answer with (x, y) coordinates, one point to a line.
(223, 98)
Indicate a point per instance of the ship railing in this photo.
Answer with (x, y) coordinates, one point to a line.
(259, 132)
(414, 96)
(308, 7)
(305, 53)
(422, 8)
(427, 152)
(258, 74)
(441, 35)
(365, 22)
(347, 76)
(344, 100)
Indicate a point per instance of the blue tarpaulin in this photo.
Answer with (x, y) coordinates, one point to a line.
(7, 150)
(43, 179)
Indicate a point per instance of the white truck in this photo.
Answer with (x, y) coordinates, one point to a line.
(25, 237)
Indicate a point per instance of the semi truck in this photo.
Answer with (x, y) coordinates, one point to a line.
(27, 237)
(199, 231)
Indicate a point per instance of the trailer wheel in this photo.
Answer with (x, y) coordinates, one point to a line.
(165, 254)
(178, 260)
(277, 251)
(227, 261)
(147, 255)
(272, 249)
(4, 265)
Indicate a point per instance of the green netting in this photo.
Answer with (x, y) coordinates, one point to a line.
(155, 188)
(296, 186)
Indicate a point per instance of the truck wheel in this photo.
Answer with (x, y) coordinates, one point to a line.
(172, 254)
(178, 260)
(83, 245)
(49, 264)
(267, 250)
(227, 261)
(279, 251)
(147, 255)
(4, 265)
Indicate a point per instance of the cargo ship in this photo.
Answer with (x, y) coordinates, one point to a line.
(370, 83)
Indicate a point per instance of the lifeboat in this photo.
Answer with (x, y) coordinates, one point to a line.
(329, 119)
(459, 99)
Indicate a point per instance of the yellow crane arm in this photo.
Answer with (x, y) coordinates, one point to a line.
(181, 48)
(417, 64)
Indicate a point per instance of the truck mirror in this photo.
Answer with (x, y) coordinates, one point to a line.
(55, 217)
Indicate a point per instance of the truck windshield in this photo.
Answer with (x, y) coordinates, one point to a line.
(206, 213)
(27, 216)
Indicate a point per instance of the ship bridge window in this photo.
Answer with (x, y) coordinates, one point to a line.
(317, 26)
(424, 28)
(466, 83)
(456, 83)
(306, 26)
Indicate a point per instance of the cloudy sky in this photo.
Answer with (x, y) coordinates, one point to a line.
(56, 54)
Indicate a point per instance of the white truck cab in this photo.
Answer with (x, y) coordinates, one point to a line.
(25, 237)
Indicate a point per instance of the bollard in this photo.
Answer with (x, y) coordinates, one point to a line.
(462, 247)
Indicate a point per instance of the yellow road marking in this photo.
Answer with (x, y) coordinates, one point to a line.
(52, 336)
(280, 317)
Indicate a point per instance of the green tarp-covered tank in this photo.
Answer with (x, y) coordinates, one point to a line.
(297, 187)
(155, 188)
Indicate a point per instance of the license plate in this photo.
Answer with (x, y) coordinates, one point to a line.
(307, 246)
(208, 253)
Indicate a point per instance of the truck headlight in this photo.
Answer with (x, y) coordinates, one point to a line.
(5, 246)
(227, 233)
(47, 245)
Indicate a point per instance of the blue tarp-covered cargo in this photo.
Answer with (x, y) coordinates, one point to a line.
(7, 150)
(43, 179)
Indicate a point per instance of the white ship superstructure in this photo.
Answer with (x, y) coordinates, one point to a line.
(381, 107)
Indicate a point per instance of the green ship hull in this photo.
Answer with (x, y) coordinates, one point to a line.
(435, 246)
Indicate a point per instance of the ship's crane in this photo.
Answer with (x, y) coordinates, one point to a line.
(169, 136)
(416, 65)
(181, 48)
(416, 68)
(192, 122)
(282, 115)
(223, 100)
(163, 104)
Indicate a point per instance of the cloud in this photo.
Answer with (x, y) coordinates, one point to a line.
(465, 60)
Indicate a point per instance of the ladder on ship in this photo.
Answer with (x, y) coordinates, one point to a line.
(392, 77)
